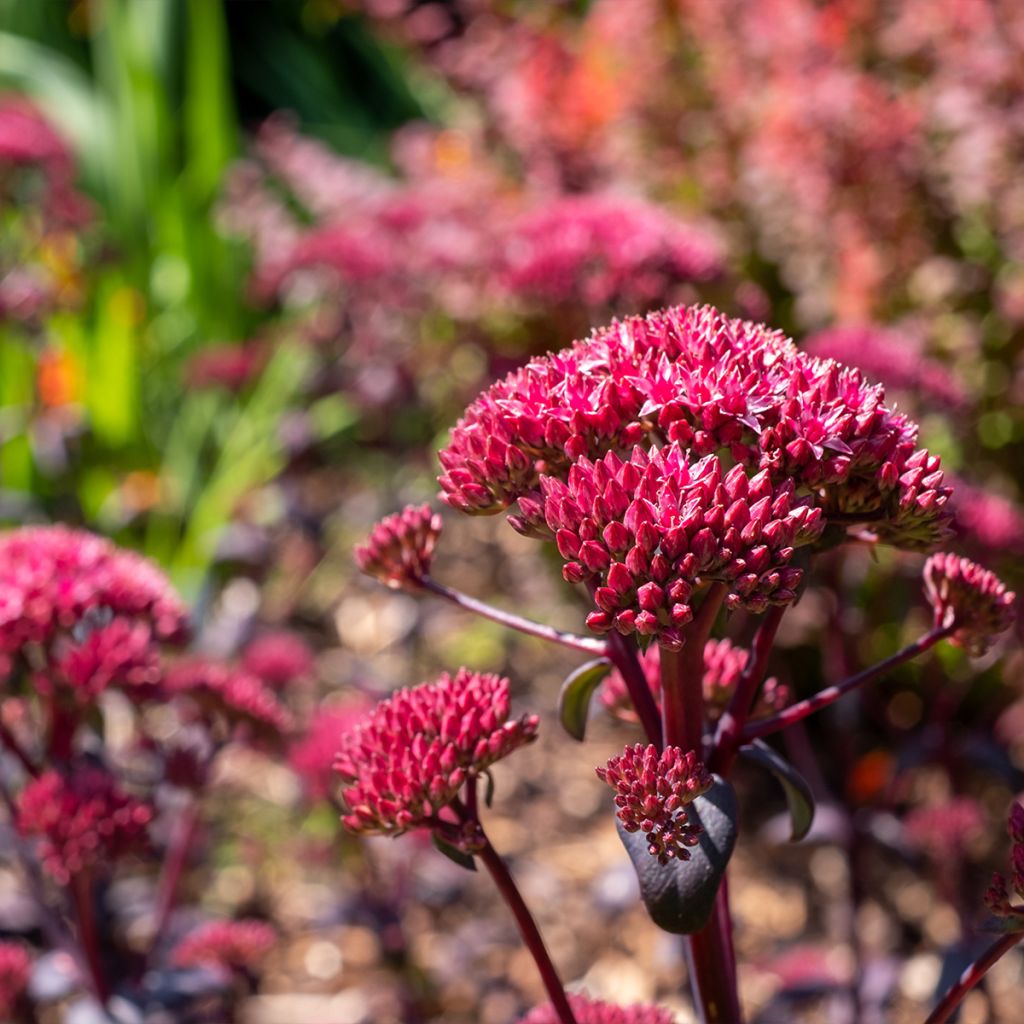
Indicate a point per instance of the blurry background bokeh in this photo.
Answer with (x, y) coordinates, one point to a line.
(256, 257)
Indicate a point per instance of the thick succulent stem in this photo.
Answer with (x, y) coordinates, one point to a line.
(955, 996)
(623, 655)
(822, 699)
(589, 645)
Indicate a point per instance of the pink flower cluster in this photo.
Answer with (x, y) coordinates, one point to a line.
(228, 945)
(83, 820)
(646, 533)
(652, 792)
(711, 384)
(970, 599)
(944, 831)
(593, 1011)
(278, 658)
(312, 757)
(399, 550)
(15, 969)
(997, 899)
(724, 663)
(94, 611)
(605, 251)
(221, 690)
(412, 754)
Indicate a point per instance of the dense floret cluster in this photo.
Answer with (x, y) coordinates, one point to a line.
(83, 820)
(944, 831)
(1000, 893)
(652, 792)
(592, 1011)
(229, 945)
(412, 754)
(278, 658)
(312, 757)
(400, 547)
(971, 600)
(646, 533)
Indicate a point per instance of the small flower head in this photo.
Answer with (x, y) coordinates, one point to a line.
(15, 969)
(278, 658)
(968, 598)
(312, 757)
(222, 691)
(228, 945)
(1001, 892)
(592, 1011)
(648, 532)
(652, 793)
(399, 549)
(945, 831)
(411, 755)
(83, 820)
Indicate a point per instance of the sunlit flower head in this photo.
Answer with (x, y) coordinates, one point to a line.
(652, 792)
(400, 547)
(411, 755)
(970, 599)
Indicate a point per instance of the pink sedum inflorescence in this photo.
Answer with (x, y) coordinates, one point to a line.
(400, 547)
(646, 533)
(593, 1011)
(229, 945)
(312, 757)
(1000, 893)
(83, 820)
(714, 386)
(411, 755)
(724, 663)
(971, 600)
(944, 831)
(278, 658)
(652, 792)
(15, 970)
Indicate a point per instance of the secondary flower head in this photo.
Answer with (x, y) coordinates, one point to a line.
(229, 945)
(411, 755)
(945, 831)
(968, 598)
(312, 757)
(652, 792)
(723, 665)
(228, 693)
(592, 1011)
(83, 820)
(998, 897)
(278, 658)
(15, 968)
(93, 611)
(399, 549)
(648, 532)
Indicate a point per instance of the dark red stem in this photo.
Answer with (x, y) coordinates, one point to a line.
(823, 698)
(730, 727)
(529, 931)
(623, 655)
(173, 867)
(955, 996)
(590, 645)
(88, 937)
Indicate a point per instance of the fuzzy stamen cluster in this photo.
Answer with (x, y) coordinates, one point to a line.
(400, 547)
(969, 598)
(412, 754)
(652, 792)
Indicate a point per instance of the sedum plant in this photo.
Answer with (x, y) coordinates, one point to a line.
(685, 467)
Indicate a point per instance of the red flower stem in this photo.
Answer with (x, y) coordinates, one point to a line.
(85, 918)
(623, 655)
(828, 696)
(589, 645)
(710, 954)
(11, 743)
(955, 996)
(173, 867)
(467, 813)
(730, 727)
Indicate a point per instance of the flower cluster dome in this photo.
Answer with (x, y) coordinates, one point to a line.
(400, 547)
(412, 754)
(652, 792)
(713, 385)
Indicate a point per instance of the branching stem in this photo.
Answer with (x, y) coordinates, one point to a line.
(955, 996)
